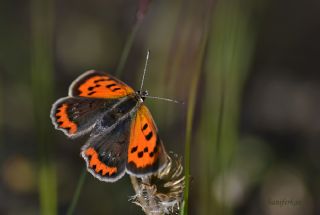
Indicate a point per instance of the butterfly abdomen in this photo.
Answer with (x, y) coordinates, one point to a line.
(119, 112)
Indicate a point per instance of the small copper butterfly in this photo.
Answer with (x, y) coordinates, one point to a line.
(123, 136)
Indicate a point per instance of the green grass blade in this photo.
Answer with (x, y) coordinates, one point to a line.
(190, 114)
(127, 48)
(228, 56)
(41, 83)
(197, 68)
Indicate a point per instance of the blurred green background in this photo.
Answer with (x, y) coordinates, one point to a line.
(247, 70)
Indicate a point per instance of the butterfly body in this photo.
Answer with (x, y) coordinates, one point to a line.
(123, 136)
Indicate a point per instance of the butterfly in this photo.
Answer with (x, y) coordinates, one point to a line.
(123, 135)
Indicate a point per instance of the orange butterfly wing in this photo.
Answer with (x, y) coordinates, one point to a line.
(146, 153)
(61, 120)
(76, 116)
(96, 84)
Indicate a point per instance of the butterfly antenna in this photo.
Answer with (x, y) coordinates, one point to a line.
(165, 99)
(145, 69)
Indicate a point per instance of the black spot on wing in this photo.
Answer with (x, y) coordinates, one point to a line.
(101, 80)
(145, 126)
(134, 149)
(140, 154)
(110, 85)
(149, 135)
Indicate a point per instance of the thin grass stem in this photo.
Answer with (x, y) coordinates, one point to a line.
(127, 48)
(190, 113)
(197, 69)
(76, 195)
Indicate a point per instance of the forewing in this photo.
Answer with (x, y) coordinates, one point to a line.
(146, 153)
(76, 116)
(106, 154)
(96, 84)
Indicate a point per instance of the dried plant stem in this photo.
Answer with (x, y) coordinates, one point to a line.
(151, 202)
(136, 187)
(134, 183)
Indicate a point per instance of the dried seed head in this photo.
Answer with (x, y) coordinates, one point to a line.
(161, 193)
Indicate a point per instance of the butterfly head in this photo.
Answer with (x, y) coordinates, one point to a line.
(143, 94)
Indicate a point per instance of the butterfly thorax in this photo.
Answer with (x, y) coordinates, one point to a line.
(123, 109)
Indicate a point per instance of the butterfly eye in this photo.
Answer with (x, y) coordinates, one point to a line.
(144, 93)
